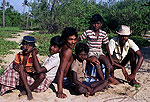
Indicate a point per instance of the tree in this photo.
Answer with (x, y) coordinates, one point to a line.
(3, 13)
(28, 15)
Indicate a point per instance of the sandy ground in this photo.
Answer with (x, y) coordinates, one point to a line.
(119, 93)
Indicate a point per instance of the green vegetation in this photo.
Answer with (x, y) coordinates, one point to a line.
(2, 70)
(43, 42)
(7, 32)
(5, 46)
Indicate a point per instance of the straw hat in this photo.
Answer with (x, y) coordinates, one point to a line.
(124, 30)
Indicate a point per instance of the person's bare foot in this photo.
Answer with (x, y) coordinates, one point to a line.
(87, 94)
(22, 93)
(113, 81)
(29, 95)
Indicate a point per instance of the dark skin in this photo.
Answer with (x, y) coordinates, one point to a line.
(66, 59)
(38, 77)
(102, 58)
(134, 66)
(82, 88)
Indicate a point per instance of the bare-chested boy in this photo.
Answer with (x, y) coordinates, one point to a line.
(69, 35)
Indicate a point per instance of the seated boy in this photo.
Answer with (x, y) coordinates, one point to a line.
(79, 75)
(50, 66)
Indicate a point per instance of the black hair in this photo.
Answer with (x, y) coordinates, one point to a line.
(95, 18)
(68, 31)
(81, 47)
(56, 40)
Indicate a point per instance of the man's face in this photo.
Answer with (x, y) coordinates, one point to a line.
(54, 49)
(82, 56)
(97, 25)
(71, 40)
(123, 39)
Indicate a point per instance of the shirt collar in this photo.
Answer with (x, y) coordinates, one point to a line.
(94, 32)
(117, 42)
(54, 55)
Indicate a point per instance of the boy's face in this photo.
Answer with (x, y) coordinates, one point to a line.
(71, 40)
(27, 48)
(82, 56)
(97, 25)
(54, 49)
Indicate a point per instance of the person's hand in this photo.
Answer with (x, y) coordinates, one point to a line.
(130, 77)
(32, 70)
(125, 73)
(93, 59)
(61, 95)
(17, 67)
(35, 51)
(114, 62)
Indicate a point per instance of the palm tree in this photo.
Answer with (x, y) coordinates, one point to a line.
(28, 14)
(3, 13)
(25, 4)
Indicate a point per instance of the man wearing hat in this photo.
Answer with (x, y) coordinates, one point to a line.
(122, 50)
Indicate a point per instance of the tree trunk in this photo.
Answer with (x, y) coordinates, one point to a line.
(3, 13)
(52, 26)
(28, 16)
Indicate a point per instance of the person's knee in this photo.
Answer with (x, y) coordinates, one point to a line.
(42, 76)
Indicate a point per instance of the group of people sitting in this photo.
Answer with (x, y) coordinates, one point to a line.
(26, 71)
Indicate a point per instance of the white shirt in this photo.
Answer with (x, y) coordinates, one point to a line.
(52, 64)
(115, 49)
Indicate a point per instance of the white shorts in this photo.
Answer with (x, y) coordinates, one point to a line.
(96, 54)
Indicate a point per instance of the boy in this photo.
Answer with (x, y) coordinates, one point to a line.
(122, 50)
(79, 75)
(69, 35)
(50, 66)
(95, 37)
(23, 66)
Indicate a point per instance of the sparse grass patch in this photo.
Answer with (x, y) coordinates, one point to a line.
(5, 46)
(2, 70)
(43, 42)
(8, 31)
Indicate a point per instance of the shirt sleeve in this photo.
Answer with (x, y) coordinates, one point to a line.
(133, 45)
(105, 39)
(83, 36)
(74, 66)
(17, 60)
(51, 63)
(111, 46)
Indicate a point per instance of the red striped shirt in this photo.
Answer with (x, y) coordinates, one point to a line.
(95, 42)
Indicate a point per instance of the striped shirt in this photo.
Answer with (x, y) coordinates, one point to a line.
(95, 42)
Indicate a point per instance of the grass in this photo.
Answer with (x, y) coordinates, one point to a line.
(43, 42)
(6, 46)
(2, 70)
(8, 31)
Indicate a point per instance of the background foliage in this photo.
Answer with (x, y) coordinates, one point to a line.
(52, 16)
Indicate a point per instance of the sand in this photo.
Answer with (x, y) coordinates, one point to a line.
(118, 93)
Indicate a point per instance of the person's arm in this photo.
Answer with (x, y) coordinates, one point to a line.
(123, 70)
(77, 82)
(16, 66)
(139, 63)
(64, 59)
(109, 54)
(93, 59)
(36, 63)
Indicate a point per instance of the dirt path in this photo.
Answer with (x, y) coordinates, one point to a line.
(119, 93)
(18, 38)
